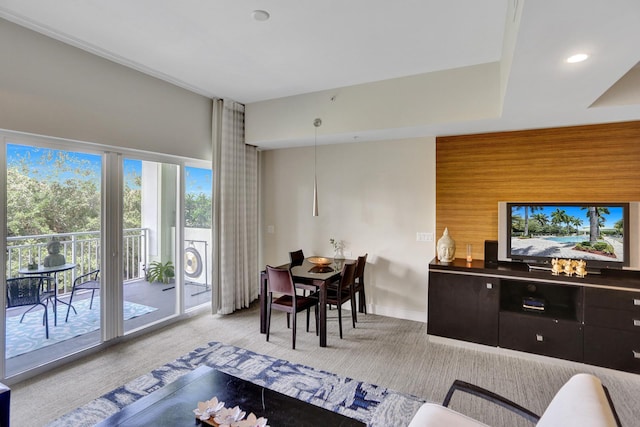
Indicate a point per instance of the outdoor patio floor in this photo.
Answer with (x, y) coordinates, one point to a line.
(162, 297)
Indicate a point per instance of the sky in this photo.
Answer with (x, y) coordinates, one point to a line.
(615, 213)
(198, 179)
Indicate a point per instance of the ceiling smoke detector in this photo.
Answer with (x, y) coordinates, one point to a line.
(260, 15)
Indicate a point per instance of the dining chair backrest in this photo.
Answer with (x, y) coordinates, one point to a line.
(296, 257)
(280, 280)
(362, 262)
(347, 275)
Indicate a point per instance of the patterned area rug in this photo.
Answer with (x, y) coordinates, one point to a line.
(371, 404)
(30, 334)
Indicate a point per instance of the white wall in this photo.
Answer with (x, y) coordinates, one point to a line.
(375, 196)
(50, 88)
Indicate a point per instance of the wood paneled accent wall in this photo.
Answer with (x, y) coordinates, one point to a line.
(599, 163)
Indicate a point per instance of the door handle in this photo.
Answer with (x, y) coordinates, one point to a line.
(636, 322)
(539, 338)
(636, 301)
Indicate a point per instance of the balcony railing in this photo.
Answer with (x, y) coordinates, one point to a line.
(82, 249)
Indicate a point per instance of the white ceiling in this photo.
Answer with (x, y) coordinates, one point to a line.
(216, 48)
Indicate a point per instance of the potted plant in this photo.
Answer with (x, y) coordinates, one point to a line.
(160, 272)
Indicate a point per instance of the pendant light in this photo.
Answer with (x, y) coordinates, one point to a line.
(316, 123)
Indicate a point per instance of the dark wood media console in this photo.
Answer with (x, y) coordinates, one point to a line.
(594, 320)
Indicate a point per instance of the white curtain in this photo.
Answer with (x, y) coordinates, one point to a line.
(235, 165)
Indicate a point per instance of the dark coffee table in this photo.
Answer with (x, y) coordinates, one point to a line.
(173, 404)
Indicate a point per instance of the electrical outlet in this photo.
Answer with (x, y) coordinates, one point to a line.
(347, 253)
(424, 237)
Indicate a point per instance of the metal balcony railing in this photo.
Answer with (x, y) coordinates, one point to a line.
(82, 249)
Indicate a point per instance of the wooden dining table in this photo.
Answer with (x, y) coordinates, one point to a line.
(309, 274)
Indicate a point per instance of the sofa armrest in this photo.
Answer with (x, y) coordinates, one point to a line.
(581, 402)
(5, 405)
(491, 397)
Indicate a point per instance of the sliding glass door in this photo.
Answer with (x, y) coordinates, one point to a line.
(53, 217)
(149, 211)
(198, 251)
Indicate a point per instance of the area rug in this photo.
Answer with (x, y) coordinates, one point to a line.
(369, 403)
(30, 334)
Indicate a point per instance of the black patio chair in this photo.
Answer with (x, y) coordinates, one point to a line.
(89, 282)
(31, 291)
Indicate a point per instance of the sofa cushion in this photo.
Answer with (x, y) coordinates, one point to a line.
(581, 402)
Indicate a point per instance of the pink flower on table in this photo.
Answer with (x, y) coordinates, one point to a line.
(253, 421)
(229, 417)
(208, 409)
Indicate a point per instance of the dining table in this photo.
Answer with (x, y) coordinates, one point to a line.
(50, 271)
(307, 273)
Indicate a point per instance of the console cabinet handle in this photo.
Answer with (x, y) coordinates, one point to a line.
(636, 301)
(636, 354)
(539, 338)
(636, 322)
(490, 286)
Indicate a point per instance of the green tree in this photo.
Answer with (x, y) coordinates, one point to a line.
(56, 192)
(197, 210)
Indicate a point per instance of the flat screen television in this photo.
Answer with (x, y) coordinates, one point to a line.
(595, 232)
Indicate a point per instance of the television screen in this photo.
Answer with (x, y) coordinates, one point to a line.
(595, 232)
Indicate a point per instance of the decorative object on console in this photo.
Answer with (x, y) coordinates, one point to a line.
(581, 268)
(469, 252)
(569, 267)
(446, 247)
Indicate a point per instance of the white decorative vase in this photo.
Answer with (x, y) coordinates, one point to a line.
(446, 248)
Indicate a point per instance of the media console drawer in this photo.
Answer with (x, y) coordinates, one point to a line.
(612, 349)
(541, 335)
(618, 300)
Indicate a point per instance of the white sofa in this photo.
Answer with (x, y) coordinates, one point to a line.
(581, 402)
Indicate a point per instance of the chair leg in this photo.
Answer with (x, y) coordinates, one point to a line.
(362, 300)
(93, 291)
(46, 321)
(308, 312)
(293, 330)
(69, 306)
(317, 322)
(268, 317)
(340, 319)
(354, 312)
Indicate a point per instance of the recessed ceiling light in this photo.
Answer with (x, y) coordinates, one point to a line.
(578, 57)
(260, 15)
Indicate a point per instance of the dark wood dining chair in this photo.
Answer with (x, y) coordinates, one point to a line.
(342, 293)
(279, 280)
(358, 284)
(296, 258)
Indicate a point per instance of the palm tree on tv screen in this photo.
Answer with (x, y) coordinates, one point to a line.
(596, 220)
(528, 208)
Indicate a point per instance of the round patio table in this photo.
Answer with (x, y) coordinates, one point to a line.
(48, 271)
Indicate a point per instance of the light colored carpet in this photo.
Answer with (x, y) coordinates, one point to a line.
(392, 353)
